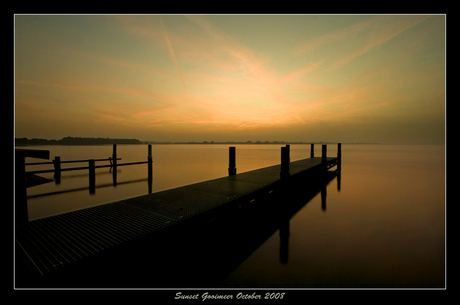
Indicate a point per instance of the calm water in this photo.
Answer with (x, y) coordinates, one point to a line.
(385, 227)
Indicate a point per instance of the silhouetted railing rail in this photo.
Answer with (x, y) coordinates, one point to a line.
(21, 173)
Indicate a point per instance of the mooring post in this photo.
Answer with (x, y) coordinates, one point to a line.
(150, 167)
(339, 154)
(57, 169)
(284, 174)
(114, 165)
(339, 164)
(312, 152)
(114, 158)
(324, 155)
(231, 161)
(92, 176)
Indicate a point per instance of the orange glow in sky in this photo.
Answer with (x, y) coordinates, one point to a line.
(357, 78)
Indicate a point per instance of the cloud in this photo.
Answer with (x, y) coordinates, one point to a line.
(172, 54)
(381, 31)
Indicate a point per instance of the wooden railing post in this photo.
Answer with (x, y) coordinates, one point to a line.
(285, 159)
(339, 154)
(57, 169)
(114, 165)
(92, 176)
(324, 155)
(231, 161)
(150, 167)
(339, 165)
(114, 158)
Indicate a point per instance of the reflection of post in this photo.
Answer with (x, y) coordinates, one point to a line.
(231, 161)
(284, 241)
(92, 177)
(312, 152)
(323, 197)
(57, 169)
(150, 168)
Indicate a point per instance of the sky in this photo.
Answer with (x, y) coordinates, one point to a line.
(308, 78)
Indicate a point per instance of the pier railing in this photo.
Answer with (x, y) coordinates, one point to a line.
(21, 210)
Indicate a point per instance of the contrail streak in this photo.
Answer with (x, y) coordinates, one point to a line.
(329, 71)
(173, 56)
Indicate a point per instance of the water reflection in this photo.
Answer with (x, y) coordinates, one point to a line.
(205, 255)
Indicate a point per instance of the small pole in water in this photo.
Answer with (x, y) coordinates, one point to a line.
(57, 169)
(324, 155)
(339, 164)
(92, 177)
(114, 158)
(284, 174)
(231, 161)
(312, 152)
(114, 165)
(339, 154)
(150, 168)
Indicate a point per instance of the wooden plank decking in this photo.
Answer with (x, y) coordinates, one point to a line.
(51, 244)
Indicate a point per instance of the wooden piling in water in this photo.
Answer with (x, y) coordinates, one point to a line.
(57, 169)
(339, 165)
(339, 153)
(324, 154)
(312, 152)
(114, 158)
(231, 161)
(21, 213)
(285, 159)
(150, 168)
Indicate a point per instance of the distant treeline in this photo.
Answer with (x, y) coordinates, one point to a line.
(75, 141)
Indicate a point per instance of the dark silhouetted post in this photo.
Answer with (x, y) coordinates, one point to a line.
(312, 152)
(20, 199)
(339, 164)
(339, 155)
(231, 161)
(114, 164)
(324, 155)
(114, 158)
(150, 168)
(92, 176)
(284, 163)
(57, 169)
(21, 213)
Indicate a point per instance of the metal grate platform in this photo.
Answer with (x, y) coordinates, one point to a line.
(54, 242)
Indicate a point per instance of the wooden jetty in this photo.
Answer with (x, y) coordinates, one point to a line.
(54, 246)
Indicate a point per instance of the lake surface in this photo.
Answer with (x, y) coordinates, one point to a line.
(384, 227)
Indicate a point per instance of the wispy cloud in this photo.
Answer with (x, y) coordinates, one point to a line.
(172, 54)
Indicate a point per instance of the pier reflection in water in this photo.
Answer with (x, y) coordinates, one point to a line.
(206, 255)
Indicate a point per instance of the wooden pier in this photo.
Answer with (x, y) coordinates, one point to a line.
(52, 246)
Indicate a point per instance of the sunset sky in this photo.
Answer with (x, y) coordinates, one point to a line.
(343, 78)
